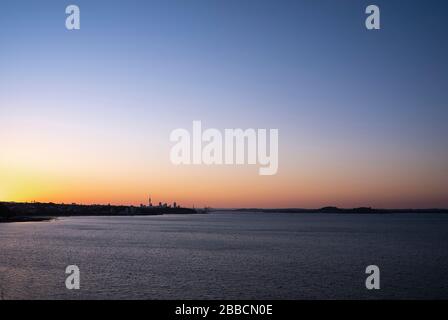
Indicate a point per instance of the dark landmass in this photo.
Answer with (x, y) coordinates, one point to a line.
(361, 210)
(21, 212)
(35, 211)
(25, 219)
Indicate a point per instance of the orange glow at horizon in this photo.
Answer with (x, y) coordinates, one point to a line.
(68, 168)
(215, 187)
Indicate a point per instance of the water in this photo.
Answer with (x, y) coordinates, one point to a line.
(227, 256)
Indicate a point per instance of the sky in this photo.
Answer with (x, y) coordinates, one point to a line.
(86, 115)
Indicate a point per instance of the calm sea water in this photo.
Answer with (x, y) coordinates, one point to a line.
(227, 256)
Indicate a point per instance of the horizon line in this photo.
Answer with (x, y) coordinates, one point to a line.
(237, 208)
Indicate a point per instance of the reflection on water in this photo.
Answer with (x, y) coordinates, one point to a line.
(227, 256)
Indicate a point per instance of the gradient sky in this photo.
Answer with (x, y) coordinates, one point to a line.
(362, 115)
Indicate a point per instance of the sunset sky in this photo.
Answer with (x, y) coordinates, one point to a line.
(362, 115)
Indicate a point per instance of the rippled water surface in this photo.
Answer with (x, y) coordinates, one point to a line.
(227, 256)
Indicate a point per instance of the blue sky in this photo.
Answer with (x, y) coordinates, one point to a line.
(338, 93)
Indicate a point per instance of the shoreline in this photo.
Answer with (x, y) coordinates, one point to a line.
(26, 219)
(336, 210)
(12, 212)
(36, 212)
